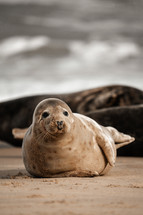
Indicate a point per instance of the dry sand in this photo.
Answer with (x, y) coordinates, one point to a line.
(119, 192)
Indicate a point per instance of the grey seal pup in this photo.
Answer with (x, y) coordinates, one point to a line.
(60, 143)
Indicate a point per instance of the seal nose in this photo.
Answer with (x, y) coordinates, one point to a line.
(60, 124)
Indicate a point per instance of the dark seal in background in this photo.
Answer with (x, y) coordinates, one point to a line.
(117, 106)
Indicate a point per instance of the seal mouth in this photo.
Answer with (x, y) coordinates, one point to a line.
(55, 132)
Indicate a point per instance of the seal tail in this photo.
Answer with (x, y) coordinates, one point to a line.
(120, 138)
(19, 133)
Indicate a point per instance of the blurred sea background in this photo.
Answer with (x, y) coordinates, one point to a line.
(61, 46)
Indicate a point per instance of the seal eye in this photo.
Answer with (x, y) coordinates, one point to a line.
(45, 114)
(65, 113)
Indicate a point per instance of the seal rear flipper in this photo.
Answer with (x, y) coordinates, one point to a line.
(119, 145)
(120, 138)
(19, 133)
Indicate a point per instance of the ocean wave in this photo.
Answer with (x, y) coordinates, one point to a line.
(96, 52)
(15, 45)
(86, 65)
(91, 53)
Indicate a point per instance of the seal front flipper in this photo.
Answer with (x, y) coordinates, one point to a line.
(107, 146)
(102, 137)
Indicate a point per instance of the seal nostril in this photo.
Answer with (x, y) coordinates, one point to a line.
(60, 124)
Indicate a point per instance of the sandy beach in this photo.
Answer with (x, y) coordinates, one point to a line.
(119, 192)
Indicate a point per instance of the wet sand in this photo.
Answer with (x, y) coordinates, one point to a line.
(119, 192)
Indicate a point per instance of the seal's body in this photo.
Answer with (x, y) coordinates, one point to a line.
(61, 143)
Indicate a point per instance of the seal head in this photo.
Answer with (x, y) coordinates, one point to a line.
(51, 118)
